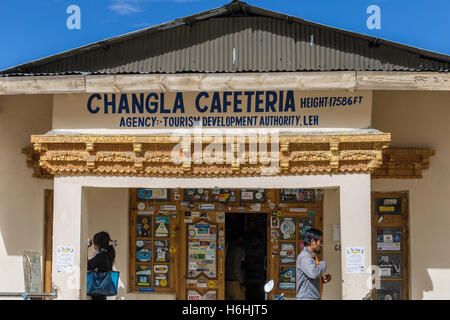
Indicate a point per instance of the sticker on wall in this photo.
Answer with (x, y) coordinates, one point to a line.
(304, 224)
(144, 275)
(318, 193)
(287, 278)
(153, 194)
(161, 251)
(297, 195)
(298, 209)
(143, 250)
(206, 206)
(389, 239)
(168, 207)
(204, 215)
(162, 227)
(196, 195)
(143, 226)
(274, 222)
(255, 207)
(141, 206)
(287, 229)
(161, 268)
(287, 253)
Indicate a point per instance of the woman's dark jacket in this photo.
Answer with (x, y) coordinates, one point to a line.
(101, 262)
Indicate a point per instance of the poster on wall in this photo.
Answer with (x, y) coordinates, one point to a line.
(389, 265)
(389, 239)
(144, 275)
(202, 242)
(143, 250)
(388, 206)
(65, 259)
(356, 262)
(389, 290)
(143, 226)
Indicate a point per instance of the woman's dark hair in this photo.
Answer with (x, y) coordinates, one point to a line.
(310, 235)
(103, 240)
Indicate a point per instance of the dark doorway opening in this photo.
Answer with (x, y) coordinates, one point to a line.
(253, 227)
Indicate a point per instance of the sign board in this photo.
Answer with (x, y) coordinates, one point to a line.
(227, 109)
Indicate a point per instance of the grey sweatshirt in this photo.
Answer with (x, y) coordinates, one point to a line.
(308, 274)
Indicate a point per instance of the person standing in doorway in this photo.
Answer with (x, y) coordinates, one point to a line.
(310, 272)
(234, 270)
(103, 258)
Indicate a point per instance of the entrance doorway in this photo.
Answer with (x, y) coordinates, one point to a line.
(252, 226)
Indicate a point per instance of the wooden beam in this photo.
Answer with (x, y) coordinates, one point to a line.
(403, 81)
(339, 80)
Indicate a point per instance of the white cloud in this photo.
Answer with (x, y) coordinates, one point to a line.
(127, 7)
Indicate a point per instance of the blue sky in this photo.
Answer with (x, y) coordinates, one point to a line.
(32, 29)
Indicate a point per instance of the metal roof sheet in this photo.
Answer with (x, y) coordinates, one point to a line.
(236, 38)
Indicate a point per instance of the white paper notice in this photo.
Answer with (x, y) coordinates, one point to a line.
(65, 259)
(356, 260)
(336, 232)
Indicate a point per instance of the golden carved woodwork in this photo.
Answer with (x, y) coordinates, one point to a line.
(126, 155)
(403, 163)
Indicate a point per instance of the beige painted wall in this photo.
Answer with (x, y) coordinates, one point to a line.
(21, 195)
(421, 119)
(331, 216)
(108, 211)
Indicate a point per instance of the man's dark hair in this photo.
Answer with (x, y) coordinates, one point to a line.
(310, 235)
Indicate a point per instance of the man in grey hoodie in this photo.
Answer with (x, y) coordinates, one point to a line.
(310, 272)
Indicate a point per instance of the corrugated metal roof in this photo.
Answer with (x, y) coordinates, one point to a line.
(237, 38)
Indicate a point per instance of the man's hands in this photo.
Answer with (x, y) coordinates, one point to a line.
(326, 278)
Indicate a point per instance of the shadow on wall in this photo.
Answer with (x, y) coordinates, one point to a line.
(418, 119)
(22, 196)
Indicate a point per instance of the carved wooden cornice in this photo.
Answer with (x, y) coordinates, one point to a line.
(403, 163)
(33, 162)
(125, 155)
